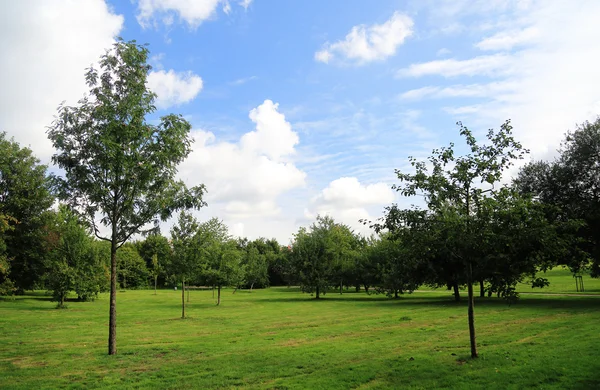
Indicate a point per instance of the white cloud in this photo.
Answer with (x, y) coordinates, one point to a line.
(174, 88)
(245, 178)
(369, 43)
(347, 201)
(245, 3)
(458, 91)
(491, 65)
(45, 48)
(506, 40)
(226, 7)
(192, 12)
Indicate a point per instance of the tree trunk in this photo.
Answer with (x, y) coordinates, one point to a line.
(252, 285)
(62, 300)
(481, 289)
(155, 281)
(367, 289)
(396, 294)
(472, 314)
(112, 322)
(235, 289)
(182, 299)
(218, 295)
(317, 297)
(456, 292)
(341, 286)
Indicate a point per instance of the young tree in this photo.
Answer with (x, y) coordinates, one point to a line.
(317, 254)
(131, 268)
(72, 264)
(255, 266)
(156, 251)
(119, 167)
(455, 187)
(187, 254)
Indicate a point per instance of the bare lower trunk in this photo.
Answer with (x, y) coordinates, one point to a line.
(395, 293)
(341, 286)
(481, 289)
(218, 295)
(367, 289)
(456, 292)
(112, 322)
(182, 298)
(235, 289)
(472, 315)
(318, 291)
(252, 285)
(62, 300)
(155, 281)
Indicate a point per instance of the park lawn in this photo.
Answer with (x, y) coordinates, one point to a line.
(279, 338)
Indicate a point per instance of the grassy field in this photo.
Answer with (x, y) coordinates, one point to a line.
(279, 338)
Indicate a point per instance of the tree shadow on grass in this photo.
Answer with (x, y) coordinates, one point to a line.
(408, 300)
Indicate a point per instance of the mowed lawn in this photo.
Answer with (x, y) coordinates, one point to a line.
(279, 338)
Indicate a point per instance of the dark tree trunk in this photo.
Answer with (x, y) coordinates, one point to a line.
(341, 286)
(235, 289)
(367, 289)
(318, 291)
(218, 295)
(357, 287)
(155, 282)
(472, 315)
(112, 322)
(395, 294)
(481, 289)
(182, 299)
(456, 292)
(62, 300)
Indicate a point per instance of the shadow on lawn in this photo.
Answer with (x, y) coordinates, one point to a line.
(411, 300)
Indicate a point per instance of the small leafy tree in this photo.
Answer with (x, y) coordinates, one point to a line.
(119, 167)
(156, 251)
(454, 187)
(187, 254)
(131, 268)
(317, 254)
(72, 263)
(255, 266)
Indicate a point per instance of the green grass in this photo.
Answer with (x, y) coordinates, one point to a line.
(279, 338)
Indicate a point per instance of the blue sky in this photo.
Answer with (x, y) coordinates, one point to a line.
(301, 108)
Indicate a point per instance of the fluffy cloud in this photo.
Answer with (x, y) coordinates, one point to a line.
(45, 48)
(347, 201)
(246, 177)
(492, 65)
(369, 43)
(174, 88)
(192, 12)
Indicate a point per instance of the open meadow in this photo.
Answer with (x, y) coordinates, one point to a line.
(279, 338)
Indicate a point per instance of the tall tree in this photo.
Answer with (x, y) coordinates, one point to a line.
(454, 187)
(119, 167)
(25, 199)
(571, 183)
